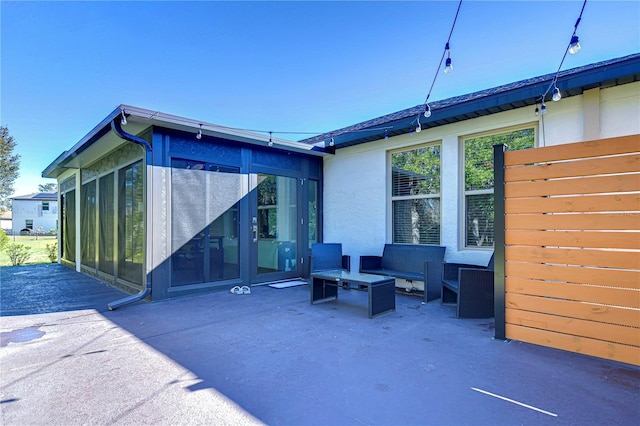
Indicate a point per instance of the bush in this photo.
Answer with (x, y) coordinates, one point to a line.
(52, 252)
(4, 240)
(18, 253)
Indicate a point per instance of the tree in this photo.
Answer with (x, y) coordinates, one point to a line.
(48, 187)
(9, 166)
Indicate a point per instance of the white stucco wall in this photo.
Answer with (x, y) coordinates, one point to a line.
(356, 199)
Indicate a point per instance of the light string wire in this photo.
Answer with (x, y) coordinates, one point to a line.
(427, 109)
(554, 81)
(444, 52)
(575, 29)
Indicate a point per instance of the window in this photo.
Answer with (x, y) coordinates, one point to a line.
(28, 223)
(478, 182)
(45, 206)
(415, 195)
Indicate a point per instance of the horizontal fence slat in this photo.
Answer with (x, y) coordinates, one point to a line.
(627, 298)
(611, 146)
(577, 221)
(571, 309)
(575, 327)
(580, 204)
(574, 168)
(584, 185)
(586, 257)
(575, 274)
(586, 346)
(586, 239)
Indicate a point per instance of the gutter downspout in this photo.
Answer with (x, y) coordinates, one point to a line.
(116, 127)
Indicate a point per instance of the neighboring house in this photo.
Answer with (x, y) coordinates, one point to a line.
(168, 205)
(5, 222)
(35, 213)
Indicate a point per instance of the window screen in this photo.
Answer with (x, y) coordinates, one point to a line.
(131, 223)
(69, 225)
(106, 235)
(204, 222)
(88, 224)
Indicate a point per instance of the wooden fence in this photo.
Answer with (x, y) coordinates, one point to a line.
(571, 247)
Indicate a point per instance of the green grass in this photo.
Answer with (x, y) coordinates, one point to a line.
(38, 248)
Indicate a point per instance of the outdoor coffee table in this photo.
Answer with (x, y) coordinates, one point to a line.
(381, 289)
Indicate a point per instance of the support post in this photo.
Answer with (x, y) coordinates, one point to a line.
(499, 238)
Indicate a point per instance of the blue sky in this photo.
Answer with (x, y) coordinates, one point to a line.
(274, 66)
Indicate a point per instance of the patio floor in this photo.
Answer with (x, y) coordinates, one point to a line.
(270, 357)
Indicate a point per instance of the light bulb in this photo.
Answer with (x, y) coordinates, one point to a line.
(448, 66)
(574, 45)
(386, 134)
(537, 112)
(556, 94)
(427, 110)
(418, 128)
(332, 142)
(123, 120)
(543, 109)
(199, 134)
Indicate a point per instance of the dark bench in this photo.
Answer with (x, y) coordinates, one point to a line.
(470, 287)
(410, 262)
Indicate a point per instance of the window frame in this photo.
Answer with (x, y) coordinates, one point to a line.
(391, 198)
(462, 216)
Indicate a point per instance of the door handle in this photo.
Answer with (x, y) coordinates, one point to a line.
(254, 229)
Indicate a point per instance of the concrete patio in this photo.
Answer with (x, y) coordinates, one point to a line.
(272, 358)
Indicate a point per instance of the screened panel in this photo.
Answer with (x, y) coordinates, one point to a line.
(69, 226)
(205, 222)
(416, 221)
(131, 223)
(479, 182)
(88, 224)
(106, 235)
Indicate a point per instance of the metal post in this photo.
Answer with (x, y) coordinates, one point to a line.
(498, 237)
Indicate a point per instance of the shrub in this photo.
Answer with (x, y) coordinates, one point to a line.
(4, 240)
(52, 252)
(18, 253)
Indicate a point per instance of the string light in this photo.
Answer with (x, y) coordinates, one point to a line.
(123, 120)
(199, 134)
(418, 127)
(448, 64)
(386, 134)
(427, 110)
(574, 44)
(270, 140)
(573, 47)
(332, 142)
